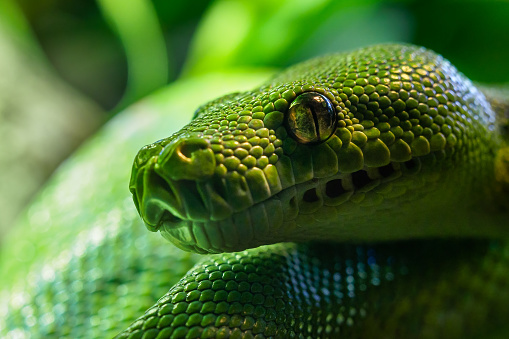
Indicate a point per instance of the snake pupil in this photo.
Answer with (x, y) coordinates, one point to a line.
(311, 118)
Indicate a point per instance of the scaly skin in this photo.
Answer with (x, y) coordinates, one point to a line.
(416, 153)
(346, 288)
(413, 136)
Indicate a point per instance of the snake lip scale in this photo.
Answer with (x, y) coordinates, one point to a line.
(331, 191)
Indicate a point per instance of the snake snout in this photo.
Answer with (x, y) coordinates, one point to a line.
(165, 178)
(187, 159)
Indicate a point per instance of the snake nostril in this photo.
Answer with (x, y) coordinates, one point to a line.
(187, 158)
(187, 149)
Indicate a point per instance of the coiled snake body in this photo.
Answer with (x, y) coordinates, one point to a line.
(384, 143)
(377, 181)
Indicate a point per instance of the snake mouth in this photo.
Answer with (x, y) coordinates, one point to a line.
(199, 216)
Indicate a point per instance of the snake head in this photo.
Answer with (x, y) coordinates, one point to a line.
(336, 148)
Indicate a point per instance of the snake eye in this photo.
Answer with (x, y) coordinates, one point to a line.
(311, 118)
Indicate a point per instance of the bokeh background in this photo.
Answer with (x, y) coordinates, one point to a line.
(66, 67)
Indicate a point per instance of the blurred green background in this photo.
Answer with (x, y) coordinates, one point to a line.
(66, 67)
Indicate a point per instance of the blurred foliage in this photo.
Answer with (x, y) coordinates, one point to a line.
(42, 119)
(271, 33)
(147, 63)
(90, 51)
(82, 44)
(473, 35)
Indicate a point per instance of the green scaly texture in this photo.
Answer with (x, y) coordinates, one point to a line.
(418, 153)
(413, 137)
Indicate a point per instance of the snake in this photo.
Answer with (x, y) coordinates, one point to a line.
(362, 194)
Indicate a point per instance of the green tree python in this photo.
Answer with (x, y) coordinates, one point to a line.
(356, 195)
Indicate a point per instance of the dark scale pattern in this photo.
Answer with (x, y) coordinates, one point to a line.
(415, 289)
